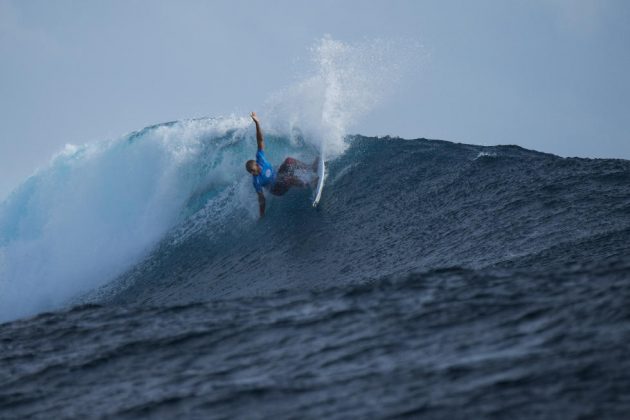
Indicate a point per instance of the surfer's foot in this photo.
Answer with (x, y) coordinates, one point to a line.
(315, 164)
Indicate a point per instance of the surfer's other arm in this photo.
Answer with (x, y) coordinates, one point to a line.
(259, 135)
(261, 203)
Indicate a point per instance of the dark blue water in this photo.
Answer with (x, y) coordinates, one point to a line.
(435, 280)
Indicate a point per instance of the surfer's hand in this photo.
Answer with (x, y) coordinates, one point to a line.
(255, 117)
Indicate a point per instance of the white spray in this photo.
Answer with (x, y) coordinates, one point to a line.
(349, 80)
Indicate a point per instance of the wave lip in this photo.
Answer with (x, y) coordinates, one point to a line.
(99, 208)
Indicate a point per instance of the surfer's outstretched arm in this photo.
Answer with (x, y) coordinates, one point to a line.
(261, 203)
(259, 136)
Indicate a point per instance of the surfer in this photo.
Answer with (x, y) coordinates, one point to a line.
(264, 176)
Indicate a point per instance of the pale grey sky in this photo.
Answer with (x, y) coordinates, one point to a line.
(550, 75)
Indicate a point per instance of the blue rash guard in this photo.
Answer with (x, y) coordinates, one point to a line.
(267, 176)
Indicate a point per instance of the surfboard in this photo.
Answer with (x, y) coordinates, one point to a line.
(321, 174)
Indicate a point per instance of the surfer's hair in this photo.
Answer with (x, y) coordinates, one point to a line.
(249, 165)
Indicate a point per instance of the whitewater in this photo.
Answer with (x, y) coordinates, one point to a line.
(435, 279)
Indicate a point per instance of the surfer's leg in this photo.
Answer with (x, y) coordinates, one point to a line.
(283, 183)
(286, 181)
(287, 176)
(286, 167)
(293, 164)
(279, 188)
(297, 182)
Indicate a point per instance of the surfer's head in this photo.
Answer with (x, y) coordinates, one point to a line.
(252, 167)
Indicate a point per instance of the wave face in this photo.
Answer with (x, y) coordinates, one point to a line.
(168, 215)
(99, 209)
(391, 207)
(435, 280)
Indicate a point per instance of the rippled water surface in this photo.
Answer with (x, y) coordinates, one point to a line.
(436, 280)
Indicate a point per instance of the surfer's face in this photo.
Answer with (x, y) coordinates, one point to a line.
(254, 169)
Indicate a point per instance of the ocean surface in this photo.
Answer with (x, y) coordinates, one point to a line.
(435, 280)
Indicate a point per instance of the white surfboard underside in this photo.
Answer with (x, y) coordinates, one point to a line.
(320, 182)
